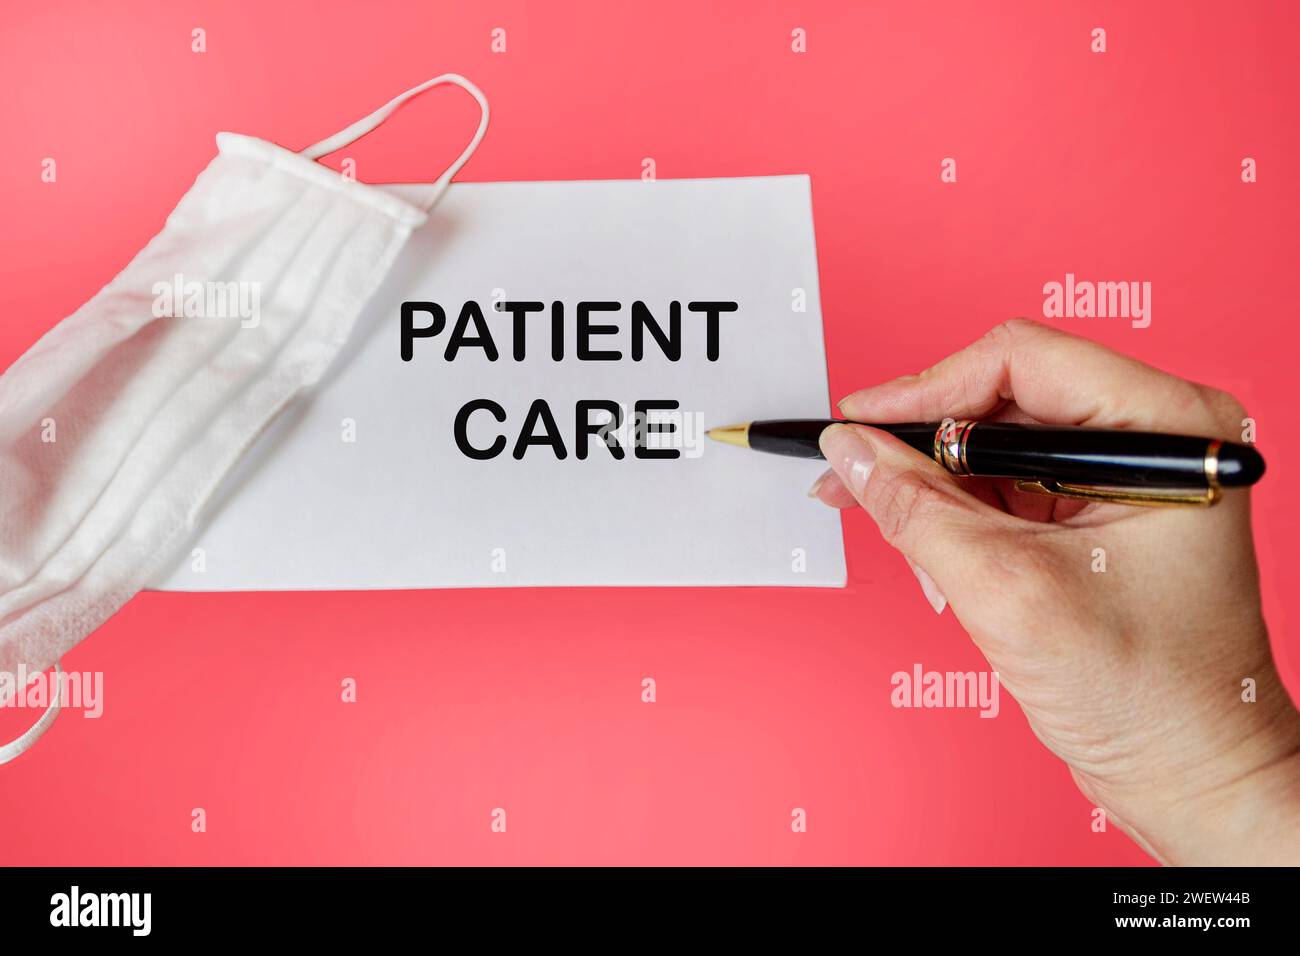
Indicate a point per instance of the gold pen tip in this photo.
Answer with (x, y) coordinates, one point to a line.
(731, 434)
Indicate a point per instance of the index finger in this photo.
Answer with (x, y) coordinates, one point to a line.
(1052, 376)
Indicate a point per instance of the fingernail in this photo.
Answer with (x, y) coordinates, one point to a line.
(849, 455)
(817, 485)
(929, 588)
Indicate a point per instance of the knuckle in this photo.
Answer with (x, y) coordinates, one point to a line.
(1005, 332)
(904, 503)
(1018, 336)
(1028, 567)
(1014, 329)
(1034, 576)
(1228, 411)
(1221, 411)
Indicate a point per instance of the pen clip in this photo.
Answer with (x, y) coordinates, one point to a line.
(1202, 498)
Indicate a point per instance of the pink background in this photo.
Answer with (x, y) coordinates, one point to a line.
(1117, 166)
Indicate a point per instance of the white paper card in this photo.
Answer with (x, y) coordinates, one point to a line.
(400, 506)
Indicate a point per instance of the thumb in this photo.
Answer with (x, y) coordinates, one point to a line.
(942, 530)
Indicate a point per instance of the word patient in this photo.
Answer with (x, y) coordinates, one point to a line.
(595, 337)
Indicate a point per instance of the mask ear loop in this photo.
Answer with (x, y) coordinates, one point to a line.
(12, 749)
(364, 125)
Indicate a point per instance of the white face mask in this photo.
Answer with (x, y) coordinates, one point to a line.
(118, 424)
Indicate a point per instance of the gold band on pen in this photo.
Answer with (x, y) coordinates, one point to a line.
(1212, 464)
(961, 447)
(950, 445)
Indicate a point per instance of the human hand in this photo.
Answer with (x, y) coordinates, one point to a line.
(1134, 676)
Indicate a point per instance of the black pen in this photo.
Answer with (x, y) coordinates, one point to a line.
(1095, 464)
